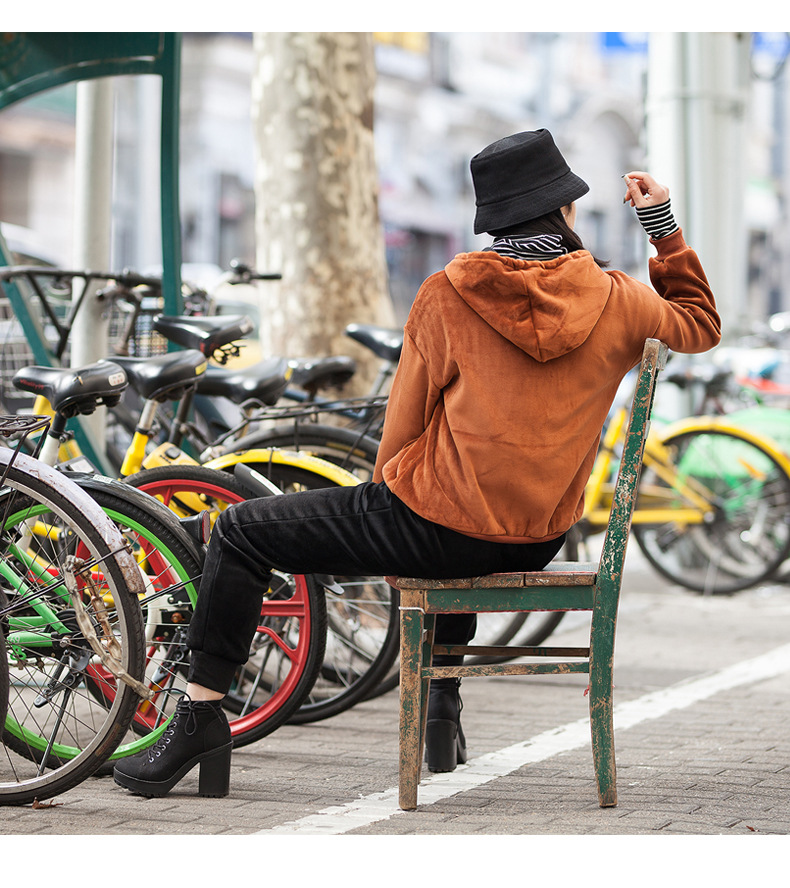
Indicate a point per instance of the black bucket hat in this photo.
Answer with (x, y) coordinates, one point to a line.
(520, 178)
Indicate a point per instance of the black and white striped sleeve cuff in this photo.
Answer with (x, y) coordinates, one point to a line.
(657, 221)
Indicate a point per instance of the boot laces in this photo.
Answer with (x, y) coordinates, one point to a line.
(190, 726)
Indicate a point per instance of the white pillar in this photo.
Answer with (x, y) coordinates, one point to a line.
(696, 127)
(93, 222)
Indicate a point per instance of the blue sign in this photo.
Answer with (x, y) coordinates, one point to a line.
(624, 41)
(773, 43)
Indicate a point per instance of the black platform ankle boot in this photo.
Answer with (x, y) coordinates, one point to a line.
(445, 744)
(198, 734)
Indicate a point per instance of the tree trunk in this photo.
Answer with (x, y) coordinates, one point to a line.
(316, 191)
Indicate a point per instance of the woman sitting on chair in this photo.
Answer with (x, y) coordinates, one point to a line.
(512, 357)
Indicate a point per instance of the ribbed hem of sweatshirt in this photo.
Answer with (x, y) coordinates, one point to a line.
(657, 221)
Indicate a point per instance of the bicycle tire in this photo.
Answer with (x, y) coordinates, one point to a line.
(748, 536)
(360, 639)
(291, 635)
(4, 674)
(361, 636)
(166, 558)
(55, 733)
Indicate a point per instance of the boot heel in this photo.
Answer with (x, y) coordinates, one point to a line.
(214, 779)
(441, 739)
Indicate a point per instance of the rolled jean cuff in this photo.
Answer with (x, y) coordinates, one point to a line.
(211, 672)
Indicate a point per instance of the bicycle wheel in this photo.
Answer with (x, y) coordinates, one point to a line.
(746, 535)
(56, 733)
(362, 615)
(345, 447)
(168, 562)
(357, 610)
(288, 647)
(3, 664)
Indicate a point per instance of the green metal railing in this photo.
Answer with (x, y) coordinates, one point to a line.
(33, 62)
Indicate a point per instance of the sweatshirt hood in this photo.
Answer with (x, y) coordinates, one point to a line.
(546, 309)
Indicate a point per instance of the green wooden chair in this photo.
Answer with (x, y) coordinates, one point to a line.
(561, 586)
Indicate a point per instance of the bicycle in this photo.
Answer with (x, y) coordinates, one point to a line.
(362, 639)
(714, 502)
(69, 608)
(291, 636)
(363, 627)
(757, 404)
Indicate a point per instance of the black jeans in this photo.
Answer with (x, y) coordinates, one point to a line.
(353, 531)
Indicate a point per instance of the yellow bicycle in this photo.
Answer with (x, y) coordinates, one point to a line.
(713, 513)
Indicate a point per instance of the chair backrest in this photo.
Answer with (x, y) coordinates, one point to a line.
(654, 359)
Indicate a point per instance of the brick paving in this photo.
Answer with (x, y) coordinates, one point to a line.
(717, 767)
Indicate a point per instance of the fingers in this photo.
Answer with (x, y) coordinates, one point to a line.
(643, 190)
(637, 186)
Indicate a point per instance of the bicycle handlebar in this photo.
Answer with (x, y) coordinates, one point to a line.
(240, 273)
(126, 278)
(248, 273)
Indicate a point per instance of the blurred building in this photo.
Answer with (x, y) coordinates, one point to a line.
(440, 98)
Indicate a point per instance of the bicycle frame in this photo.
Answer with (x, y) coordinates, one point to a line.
(692, 502)
(135, 458)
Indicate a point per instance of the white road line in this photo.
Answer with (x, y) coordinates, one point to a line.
(435, 787)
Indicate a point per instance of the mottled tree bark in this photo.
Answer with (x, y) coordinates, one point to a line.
(317, 193)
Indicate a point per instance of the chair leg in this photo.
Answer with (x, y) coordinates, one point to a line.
(602, 729)
(426, 659)
(411, 716)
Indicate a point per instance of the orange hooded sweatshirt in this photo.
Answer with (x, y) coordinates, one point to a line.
(508, 371)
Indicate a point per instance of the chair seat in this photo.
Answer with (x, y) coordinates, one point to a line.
(561, 586)
(558, 573)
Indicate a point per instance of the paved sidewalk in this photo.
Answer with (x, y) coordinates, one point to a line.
(702, 737)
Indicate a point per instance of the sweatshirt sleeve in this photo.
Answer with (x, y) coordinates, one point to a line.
(689, 322)
(411, 403)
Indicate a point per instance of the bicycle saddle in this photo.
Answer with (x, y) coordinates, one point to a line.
(382, 341)
(74, 390)
(164, 377)
(264, 381)
(204, 334)
(314, 374)
(686, 375)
